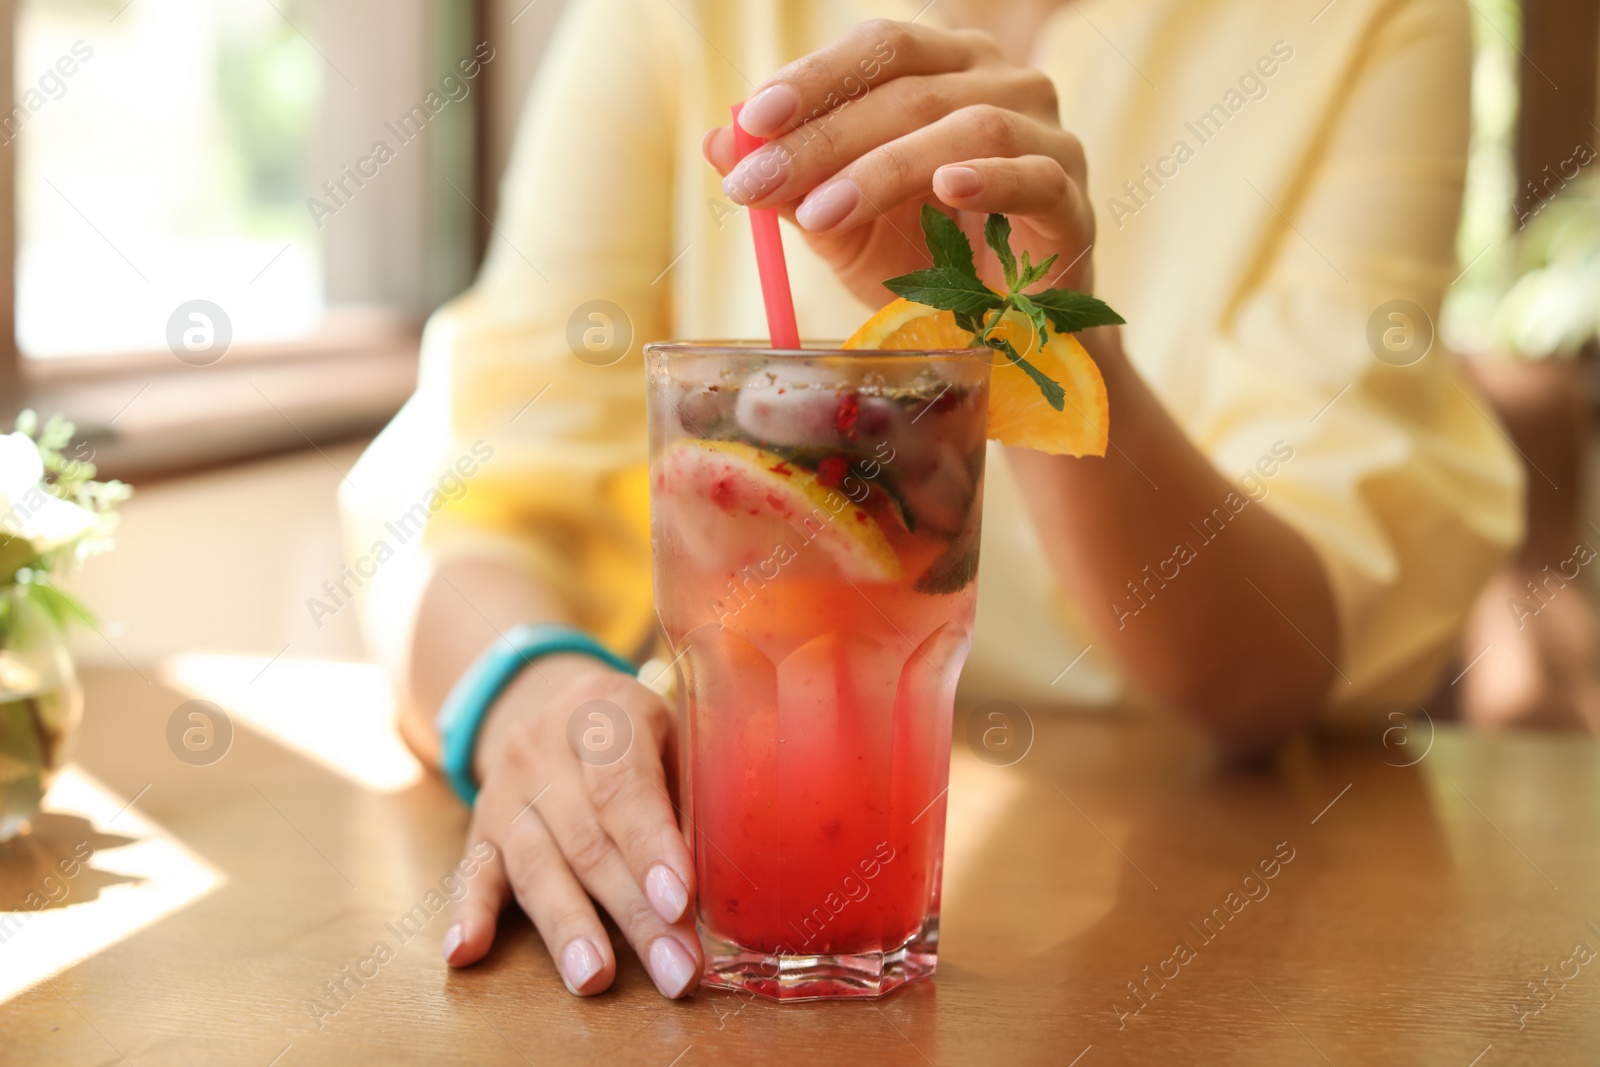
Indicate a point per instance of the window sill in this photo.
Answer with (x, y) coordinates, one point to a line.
(149, 416)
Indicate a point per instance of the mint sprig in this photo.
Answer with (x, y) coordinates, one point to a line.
(953, 285)
(1054, 395)
(947, 289)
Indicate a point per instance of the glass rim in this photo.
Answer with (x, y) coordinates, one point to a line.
(757, 349)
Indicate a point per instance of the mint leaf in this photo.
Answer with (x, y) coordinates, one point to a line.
(1054, 395)
(972, 324)
(946, 243)
(1028, 276)
(1071, 311)
(952, 571)
(946, 289)
(1035, 315)
(897, 504)
(997, 235)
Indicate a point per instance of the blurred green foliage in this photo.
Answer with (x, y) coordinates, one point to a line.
(1553, 307)
(269, 90)
(1531, 285)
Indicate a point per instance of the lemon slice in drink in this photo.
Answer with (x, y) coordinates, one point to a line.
(732, 505)
(1018, 414)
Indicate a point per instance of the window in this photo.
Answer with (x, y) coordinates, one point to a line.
(168, 152)
(163, 152)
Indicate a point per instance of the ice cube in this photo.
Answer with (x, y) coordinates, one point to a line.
(791, 406)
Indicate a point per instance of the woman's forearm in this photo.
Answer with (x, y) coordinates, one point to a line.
(1209, 601)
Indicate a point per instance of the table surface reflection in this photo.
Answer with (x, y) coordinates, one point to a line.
(1107, 900)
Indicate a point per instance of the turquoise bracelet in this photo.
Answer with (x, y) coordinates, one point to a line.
(461, 716)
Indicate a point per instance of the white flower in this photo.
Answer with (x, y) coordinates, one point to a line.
(27, 509)
(20, 465)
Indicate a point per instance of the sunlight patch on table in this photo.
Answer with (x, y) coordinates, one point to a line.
(338, 714)
(1071, 881)
(39, 943)
(982, 793)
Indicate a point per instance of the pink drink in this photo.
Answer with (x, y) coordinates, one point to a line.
(816, 538)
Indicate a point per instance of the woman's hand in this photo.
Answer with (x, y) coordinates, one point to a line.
(570, 821)
(895, 115)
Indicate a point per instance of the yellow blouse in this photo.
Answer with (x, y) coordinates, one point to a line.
(1268, 179)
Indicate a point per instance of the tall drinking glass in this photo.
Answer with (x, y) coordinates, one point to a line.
(815, 520)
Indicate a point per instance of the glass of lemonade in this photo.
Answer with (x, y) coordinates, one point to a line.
(815, 518)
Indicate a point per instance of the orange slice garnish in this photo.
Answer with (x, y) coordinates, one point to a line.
(1018, 412)
(731, 504)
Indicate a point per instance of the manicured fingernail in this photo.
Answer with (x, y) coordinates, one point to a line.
(757, 174)
(828, 206)
(764, 112)
(670, 967)
(667, 894)
(454, 938)
(960, 181)
(580, 962)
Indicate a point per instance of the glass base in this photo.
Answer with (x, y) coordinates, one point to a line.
(791, 979)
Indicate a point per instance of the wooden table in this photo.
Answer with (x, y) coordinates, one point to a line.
(1409, 910)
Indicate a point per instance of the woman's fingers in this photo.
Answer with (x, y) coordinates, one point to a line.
(1022, 185)
(862, 59)
(558, 906)
(902, 170)
(473, 918)
(1036, 188)
(794, 164)
(718, 148)
(528, 866)
(671, 952)
(629, 794)
(891, 116)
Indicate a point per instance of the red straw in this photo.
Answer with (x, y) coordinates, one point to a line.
(769, 255)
